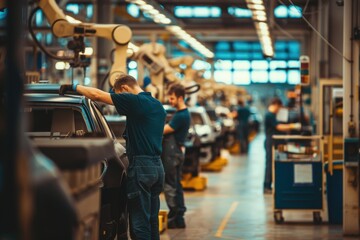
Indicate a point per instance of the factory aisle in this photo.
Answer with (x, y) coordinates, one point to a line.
(234, 207)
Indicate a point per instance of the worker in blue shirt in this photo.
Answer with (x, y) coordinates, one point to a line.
(173, 157)
(273, 127)
(144, 131)
(242, 115)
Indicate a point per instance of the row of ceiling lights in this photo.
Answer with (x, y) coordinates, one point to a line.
(161, 18)
(195, 44)
(262, 28)
(151, 11)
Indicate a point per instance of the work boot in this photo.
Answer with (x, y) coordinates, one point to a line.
(172, 224)
(180, 222)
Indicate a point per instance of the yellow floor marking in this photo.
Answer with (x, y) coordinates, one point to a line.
(226, 219)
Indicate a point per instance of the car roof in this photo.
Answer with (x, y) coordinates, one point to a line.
(115, 118)
(197, 109)
(169, 108)
(49, 93)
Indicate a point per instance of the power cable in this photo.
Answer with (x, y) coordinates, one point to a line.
(306, 5)
(317, 32)
(31, 30)
(289, 35)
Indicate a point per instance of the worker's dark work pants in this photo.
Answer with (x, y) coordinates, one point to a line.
(268, 164)
(243, 136)
(145, 183)
(173, 160)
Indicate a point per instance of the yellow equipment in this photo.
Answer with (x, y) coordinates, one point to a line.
(163, 219)
(190, 182)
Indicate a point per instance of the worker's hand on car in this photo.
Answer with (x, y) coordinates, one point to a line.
(296, 126)
(66, 88)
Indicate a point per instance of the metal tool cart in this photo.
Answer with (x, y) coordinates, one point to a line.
(297, 175)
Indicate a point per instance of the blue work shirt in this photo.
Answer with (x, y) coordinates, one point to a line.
(180, 122)
(145, 120)
(243, 114)
(270, 124)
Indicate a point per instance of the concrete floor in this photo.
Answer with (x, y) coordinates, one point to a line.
(234, 207)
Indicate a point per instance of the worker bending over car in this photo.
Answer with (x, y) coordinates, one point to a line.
(144, 131)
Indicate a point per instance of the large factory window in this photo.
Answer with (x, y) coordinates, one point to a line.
(133, 10)
(283, 11)
(224, 76)
(239, 12)
(241, 77)
(197, 12)
(244, 63)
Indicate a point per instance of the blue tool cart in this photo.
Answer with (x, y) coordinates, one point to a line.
(297, 175)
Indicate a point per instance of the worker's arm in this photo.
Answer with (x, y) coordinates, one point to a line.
(287, 127)
(232, 114)
(168, 129)
(89, 92)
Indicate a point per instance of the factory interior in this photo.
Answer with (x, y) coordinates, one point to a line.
(179, 119)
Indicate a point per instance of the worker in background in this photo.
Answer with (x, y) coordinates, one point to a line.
(272, 127)
(173, 156)
(242, 115)
(144, 130)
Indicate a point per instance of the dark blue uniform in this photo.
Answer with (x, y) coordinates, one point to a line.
(270, 130)
(144, 130)
(180, 123)
(173, 160)
(243, 114)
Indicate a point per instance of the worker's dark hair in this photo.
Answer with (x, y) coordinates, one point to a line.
(177, 89)
(276, 101)
(125, 79)
(241, 102)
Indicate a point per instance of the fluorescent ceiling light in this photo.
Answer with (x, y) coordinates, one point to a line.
(160, 16)
(259, 13)
(195, 44)
(260, 18)
(262, 29)
(146, 7)
(263, 25)
(176, 30)
(256, 1)
(153, 11)
(138, 2)
(256, 7)
(165, 21)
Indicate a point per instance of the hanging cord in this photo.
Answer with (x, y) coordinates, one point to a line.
(317, 32)
(47, 53)
(352, 64)
(306, 5)
(289, 35)
(102, 83)
(196, 89)
(72, 76)
(357, 15)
